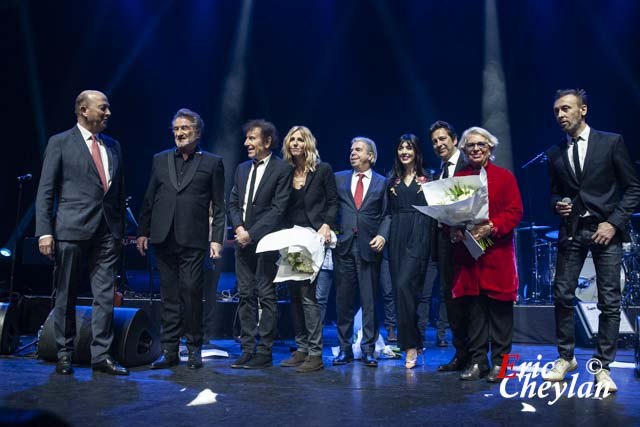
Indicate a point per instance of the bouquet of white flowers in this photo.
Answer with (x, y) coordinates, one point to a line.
(460, 201)
(301, 252)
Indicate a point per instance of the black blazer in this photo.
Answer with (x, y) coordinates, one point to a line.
(270, 198)
(610, 188)
(185, 206)
(70, 183)
(370, 220)
(441, 247)
(320, 196)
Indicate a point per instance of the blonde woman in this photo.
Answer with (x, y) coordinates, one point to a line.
(313, 203)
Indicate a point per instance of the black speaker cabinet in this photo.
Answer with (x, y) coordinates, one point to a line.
(136, 339)
(9, 328)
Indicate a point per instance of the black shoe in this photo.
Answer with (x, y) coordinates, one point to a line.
(259, 361)
(166, 360)
(63, 367)
(493, 374)
(342, 359)
(194, 359)
(110, 366)
(456, 364)
(474, 372)
(369, 360)
(442, 342)
(241, 361)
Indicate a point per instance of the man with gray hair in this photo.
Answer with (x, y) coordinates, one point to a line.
(364, 225)
(186, 183)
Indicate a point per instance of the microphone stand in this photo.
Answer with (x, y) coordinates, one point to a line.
(21, 179)
(534, 274)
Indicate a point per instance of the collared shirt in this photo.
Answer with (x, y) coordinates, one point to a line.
(583, 141)
(366, 180)
(453, 160)
(259, 171)
(86, 135)
(182, 165)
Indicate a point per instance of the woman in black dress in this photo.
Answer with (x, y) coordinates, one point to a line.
(314, 204)
(409, 242)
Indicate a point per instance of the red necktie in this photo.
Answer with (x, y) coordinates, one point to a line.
(357, 197)
(97, 159)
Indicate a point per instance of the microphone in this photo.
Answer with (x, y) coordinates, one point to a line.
(568, 201)
(25, 178)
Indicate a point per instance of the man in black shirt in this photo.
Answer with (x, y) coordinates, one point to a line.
(187, 183)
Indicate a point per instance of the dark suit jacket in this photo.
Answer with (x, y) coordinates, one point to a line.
(186, 207)
(320, 197)
(441, 247)
(370, 220)
(610, 188)
(71, 201)
(270, 199)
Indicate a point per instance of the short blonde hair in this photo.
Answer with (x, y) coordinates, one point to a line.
(311, 155)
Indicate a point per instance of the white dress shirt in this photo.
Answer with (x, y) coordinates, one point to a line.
(453, 161)
(259, 171)
(86, 135)
(366, 180)
(583, 142)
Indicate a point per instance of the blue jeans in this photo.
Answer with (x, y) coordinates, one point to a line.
(323, 289)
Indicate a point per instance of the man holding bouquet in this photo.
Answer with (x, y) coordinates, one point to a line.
(445, 141)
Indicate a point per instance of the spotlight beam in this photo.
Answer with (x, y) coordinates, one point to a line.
(495, 109)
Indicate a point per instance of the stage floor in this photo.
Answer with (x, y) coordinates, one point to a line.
(346, 395)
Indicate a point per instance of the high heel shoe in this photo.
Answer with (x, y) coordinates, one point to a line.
(411, 359)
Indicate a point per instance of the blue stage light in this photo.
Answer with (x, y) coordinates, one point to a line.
(5, 252)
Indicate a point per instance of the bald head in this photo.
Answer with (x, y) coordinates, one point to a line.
(92, 110)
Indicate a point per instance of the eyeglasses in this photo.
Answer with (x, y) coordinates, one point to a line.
(480, 145)
(184, 128)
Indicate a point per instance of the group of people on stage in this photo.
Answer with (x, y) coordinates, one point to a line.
(80, 214)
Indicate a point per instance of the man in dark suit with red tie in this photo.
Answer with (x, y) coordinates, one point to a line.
(445, 145)
(257, 206)
(364, 229)
(186, 184)
(594, 189)
(80, 215)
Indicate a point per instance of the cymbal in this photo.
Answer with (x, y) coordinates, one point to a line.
(552, 235)
(535, 227)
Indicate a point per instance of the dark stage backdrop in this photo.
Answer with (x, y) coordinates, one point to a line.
(341, 67)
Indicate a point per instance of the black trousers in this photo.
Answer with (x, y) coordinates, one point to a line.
(306, 315)
(456, 310)
(607, 260)
(255, 274)
(351, 272)
(408, 275)
(489, 318)
(424, 302)
(102, 253)
(181, 283)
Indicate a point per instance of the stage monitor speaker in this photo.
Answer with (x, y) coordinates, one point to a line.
(9, 328)
(588, 319)
(136, 339)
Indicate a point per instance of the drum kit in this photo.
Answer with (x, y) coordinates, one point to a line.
(544, 251)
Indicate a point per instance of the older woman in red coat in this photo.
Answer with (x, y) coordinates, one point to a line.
(487, 286)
